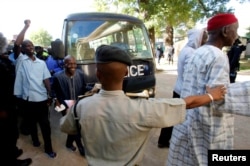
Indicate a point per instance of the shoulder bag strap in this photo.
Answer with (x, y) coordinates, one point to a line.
(78, 126)
(77, 119)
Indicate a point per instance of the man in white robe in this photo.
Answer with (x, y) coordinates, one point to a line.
(211, 126)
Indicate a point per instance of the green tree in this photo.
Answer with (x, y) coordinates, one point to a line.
(41, 38)
(167, 14)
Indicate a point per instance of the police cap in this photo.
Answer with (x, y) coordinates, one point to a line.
(107, 54)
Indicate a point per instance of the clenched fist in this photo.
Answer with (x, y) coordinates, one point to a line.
(27, 22)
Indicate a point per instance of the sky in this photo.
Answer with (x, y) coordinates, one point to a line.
(46, 14)
(49, 15)
(242, 12)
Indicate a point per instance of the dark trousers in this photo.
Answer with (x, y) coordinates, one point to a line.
(8, 138)
(159, 59)
(233, 77)
(38, 112)
(24, 126)
(166, 132)
(72, 138)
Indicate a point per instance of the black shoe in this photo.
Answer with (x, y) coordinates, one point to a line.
(71, 147)
(82, 151)
(36, 143)
(163, 146)
(51, 154)
(23, 162)
(19, 152)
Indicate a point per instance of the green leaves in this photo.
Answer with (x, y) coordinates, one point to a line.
(41, 38)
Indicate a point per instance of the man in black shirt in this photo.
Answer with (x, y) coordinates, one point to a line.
(8, 116)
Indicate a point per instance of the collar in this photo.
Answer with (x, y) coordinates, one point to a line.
(111, 93)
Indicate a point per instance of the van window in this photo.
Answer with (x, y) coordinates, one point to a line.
(83, 37)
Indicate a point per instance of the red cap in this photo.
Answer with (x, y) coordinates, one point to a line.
(221, 20)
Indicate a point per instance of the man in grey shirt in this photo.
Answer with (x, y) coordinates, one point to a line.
(114, 128)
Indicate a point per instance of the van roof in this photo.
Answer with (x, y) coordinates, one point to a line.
(101, 15)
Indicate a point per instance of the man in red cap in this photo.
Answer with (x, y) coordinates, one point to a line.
(221, 20)
(211, 126)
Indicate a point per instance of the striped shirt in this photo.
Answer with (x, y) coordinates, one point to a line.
(209, 126)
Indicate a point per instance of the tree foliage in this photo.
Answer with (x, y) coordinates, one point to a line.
(168, 14)
(41, 38)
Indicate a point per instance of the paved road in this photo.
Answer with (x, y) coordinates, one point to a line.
(166, 77)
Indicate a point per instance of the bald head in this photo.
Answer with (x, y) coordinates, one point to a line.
(111, 75)
(70, 65)
(28, 47)
(68, 58)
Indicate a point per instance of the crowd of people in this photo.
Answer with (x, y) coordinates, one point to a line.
(200, 112)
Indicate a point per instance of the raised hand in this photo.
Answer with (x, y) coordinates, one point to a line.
(27, 22)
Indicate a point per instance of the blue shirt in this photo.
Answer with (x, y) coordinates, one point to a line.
(11, 58)
(54, 65)
(30, 75)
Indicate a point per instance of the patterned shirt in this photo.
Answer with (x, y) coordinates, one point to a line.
(68, 88)
(209, 126)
